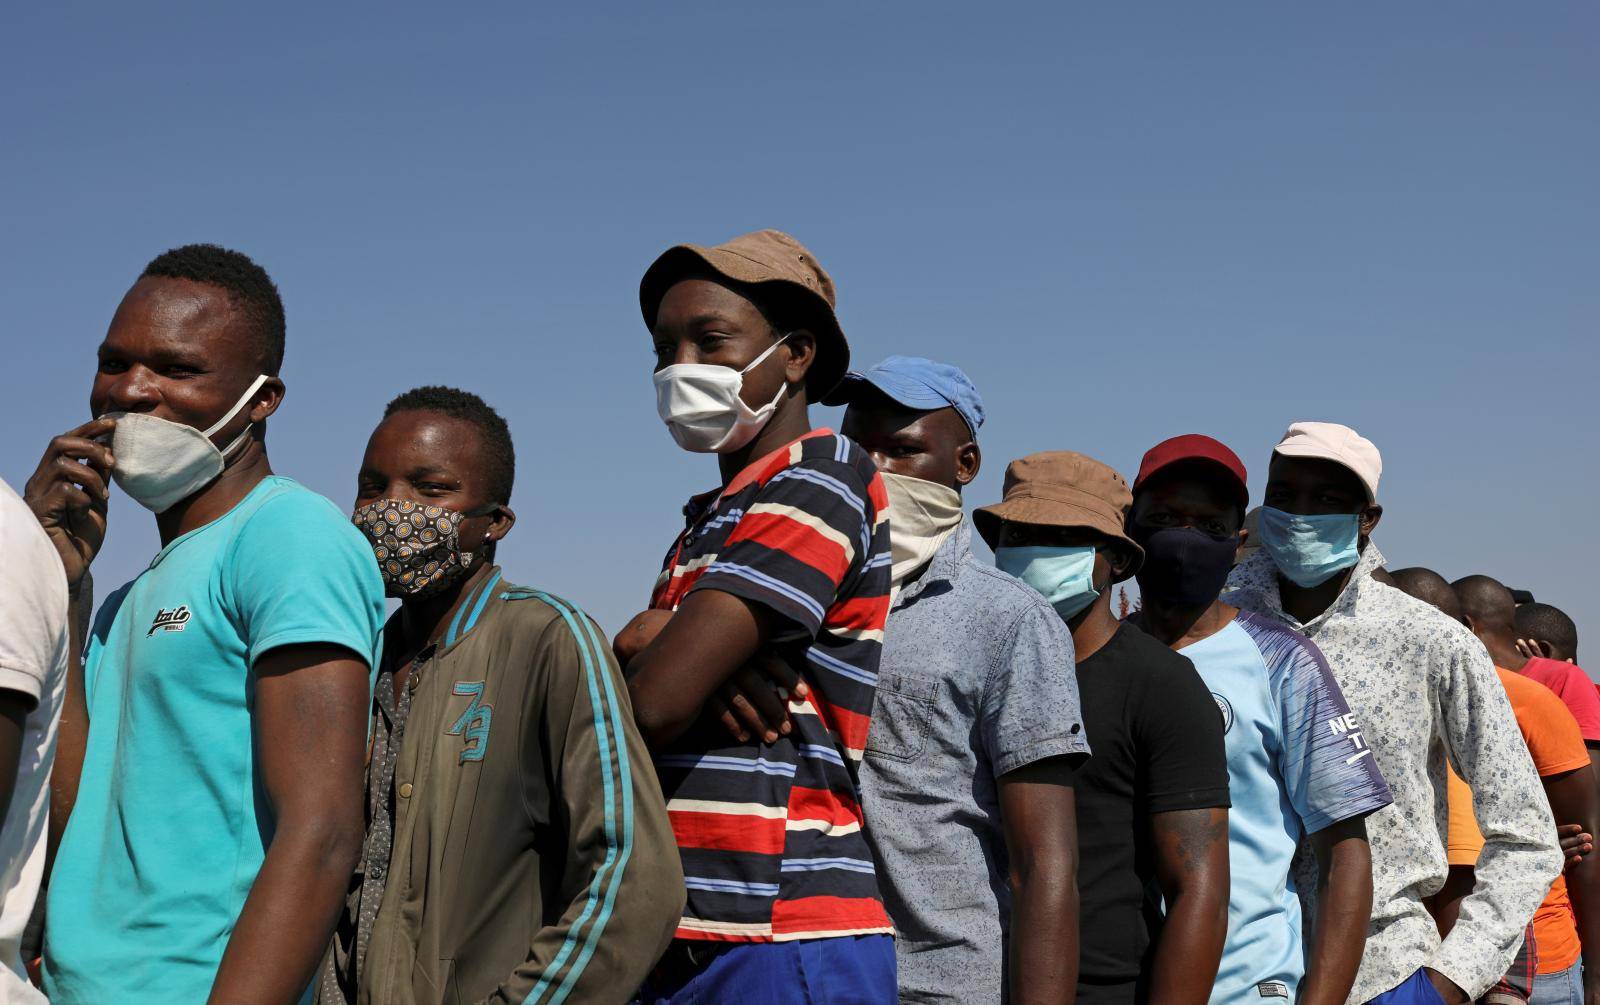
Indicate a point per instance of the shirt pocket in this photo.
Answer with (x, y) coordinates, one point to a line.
(901, 713)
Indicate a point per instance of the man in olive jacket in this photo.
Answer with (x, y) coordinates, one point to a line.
(517, 849)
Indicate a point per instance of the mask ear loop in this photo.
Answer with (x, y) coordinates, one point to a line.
(489, 509)
(763, 357)
(244, 433)
(783, 386)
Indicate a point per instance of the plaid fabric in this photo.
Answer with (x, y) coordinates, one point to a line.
(1515, 987)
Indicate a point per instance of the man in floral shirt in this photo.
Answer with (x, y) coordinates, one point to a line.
(1423, 689)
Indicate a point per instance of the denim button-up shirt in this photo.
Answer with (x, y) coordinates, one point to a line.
(976, 681)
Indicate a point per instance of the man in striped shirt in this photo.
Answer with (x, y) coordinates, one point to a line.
(784, 568)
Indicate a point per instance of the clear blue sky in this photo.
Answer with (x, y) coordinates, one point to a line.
(1124, 224)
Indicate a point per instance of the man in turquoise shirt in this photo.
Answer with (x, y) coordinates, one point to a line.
(211, 752)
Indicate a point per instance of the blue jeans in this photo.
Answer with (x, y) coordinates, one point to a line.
(851, 970)
(1564, 987)
(1415, 990)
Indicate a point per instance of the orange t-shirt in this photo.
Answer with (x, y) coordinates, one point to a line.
(1557, 747)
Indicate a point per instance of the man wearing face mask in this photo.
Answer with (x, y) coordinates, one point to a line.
(1423, 690)
(975, 729)
(517, 846)
(789, 558)
(1152, 799)
(219, 718)
(1297, 765)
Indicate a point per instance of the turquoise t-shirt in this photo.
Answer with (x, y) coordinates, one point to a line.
(172, 822)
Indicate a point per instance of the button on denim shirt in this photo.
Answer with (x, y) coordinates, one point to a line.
(976, 681)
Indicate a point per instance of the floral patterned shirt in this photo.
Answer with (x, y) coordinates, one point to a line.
(1423, 688)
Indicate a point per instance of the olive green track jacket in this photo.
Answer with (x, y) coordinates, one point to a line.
(533, 860)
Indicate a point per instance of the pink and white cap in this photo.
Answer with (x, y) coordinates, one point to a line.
(1330, 441)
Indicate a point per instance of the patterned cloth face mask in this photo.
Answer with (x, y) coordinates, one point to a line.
(418, 547)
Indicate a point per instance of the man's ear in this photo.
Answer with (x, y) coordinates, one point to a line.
(968, 460)
(1369, 519)
(499, 526)
(1466, 619)
(1119, 562)
(802, 346)
(267, 399)
(501, 523)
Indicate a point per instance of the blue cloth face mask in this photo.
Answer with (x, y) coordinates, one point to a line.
(1064, 575)
(1310, 550)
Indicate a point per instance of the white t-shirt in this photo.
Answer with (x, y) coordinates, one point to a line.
(33, 660)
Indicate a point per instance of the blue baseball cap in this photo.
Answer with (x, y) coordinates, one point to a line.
(921, 385)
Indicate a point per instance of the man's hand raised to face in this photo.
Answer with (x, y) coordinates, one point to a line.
(1535, 648)
(68, 493)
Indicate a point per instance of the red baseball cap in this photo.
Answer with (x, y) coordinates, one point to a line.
(1194, 447)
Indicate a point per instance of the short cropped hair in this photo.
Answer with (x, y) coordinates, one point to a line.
(470, 408)
(1485, 600)
(249, 288)
(1429, 587)
(1542, 621)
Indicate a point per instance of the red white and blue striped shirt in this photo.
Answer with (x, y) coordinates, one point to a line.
(770, 834)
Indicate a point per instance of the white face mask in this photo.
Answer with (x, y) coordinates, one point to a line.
(160, 463)
(922, 514)
(701, 405)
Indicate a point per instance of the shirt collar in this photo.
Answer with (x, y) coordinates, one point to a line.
(472, 608)
(702, 503)
(699, 503)
(946, 562)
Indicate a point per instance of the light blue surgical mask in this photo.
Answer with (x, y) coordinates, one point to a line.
(1310, 550)
(1064, 575)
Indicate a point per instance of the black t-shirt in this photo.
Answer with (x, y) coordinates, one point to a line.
(1155, 737)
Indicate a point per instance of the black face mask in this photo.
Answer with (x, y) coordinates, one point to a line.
(1183, 565)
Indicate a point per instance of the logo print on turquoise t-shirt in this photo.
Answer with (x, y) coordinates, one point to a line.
(169, 621)
(1226, 710)
(474, 722)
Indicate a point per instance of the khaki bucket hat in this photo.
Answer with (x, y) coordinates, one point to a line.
(1060, 488)
(760, 258)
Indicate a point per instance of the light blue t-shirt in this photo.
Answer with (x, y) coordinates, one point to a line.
(172, 822)
(1297, 763)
